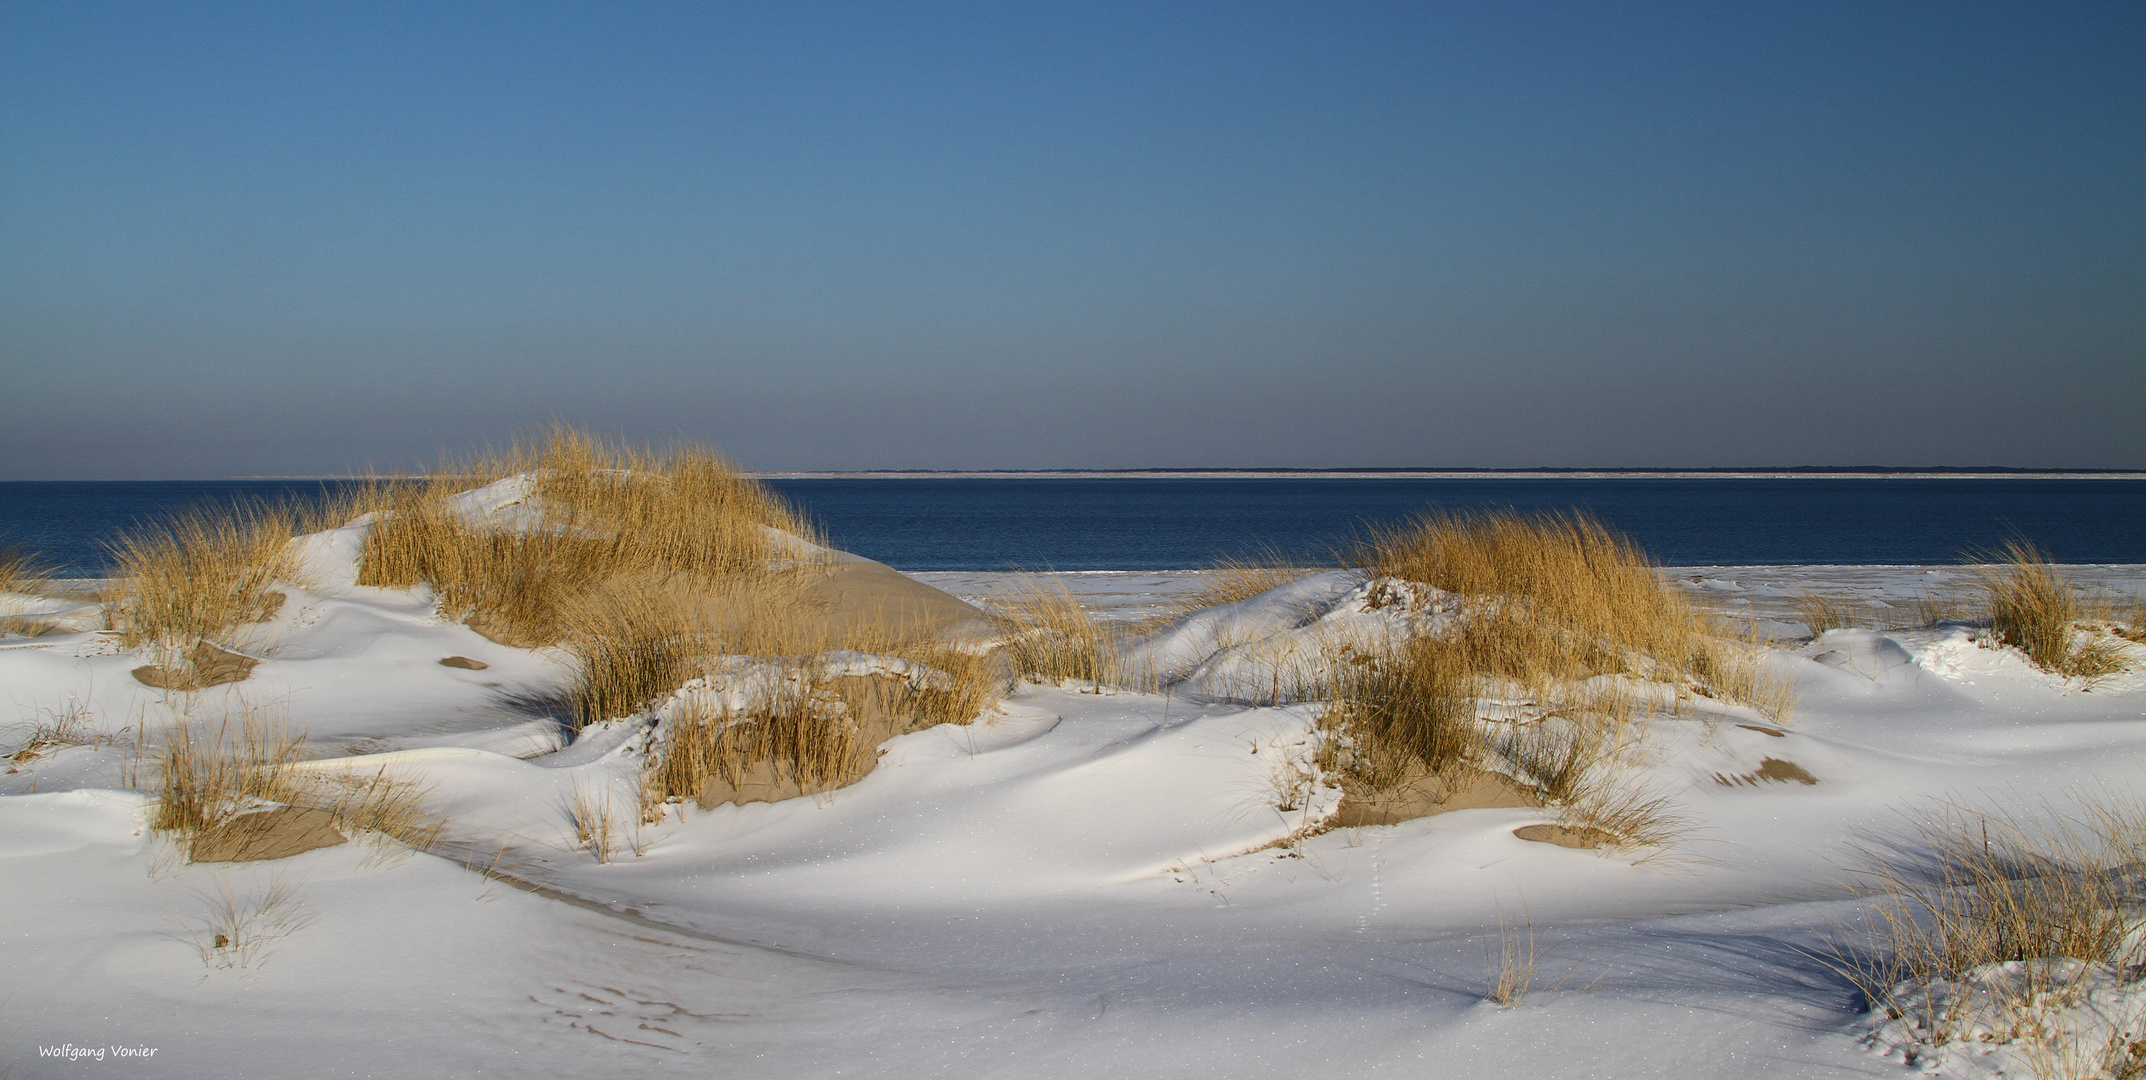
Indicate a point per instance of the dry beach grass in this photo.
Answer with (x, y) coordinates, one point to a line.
(214, 771)
(1557, 611)
(196, 577)
(1559, 619)
(646, 566)
(2025, 600)
(22, 573)
(1572, 600)
(642, 564)
(1546, 672)
(811, 729)
(2035, 610)
(2030, 903)
(1054, 638)
(601, 517)
(1228, 581)
(238, 928)
(1822, 613)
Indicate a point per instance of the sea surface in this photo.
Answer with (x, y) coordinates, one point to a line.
(1175, 523)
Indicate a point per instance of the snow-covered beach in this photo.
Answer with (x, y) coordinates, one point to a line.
(1088, 880)
(1513, 541)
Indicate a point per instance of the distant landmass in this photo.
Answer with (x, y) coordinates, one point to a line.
(1962, 471)
(2013, 472)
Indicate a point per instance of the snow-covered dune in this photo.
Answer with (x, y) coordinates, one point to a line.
(1079, 884)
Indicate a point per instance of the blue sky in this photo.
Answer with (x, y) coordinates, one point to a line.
(285, 239)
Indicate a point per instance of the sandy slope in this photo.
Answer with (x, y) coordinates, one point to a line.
(1076, 887)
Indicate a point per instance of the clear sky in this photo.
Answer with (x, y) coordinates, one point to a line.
(298, 238)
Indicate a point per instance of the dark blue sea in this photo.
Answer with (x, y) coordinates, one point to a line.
(1121, 523)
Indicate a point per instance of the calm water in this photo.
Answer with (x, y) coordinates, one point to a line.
(1157, 524)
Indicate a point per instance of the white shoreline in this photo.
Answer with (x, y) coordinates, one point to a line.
(1767, 593)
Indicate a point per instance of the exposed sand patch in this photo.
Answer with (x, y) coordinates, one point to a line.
(1565, 836)
(863, 594)
(266, 834)
(1458, 788)
(207, 665)
(1774, 769)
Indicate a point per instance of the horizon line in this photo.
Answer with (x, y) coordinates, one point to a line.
(1373, 471)
(1488, 471)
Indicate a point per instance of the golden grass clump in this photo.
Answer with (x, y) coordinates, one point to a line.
(1587, 588)
(791, 733)
(1516, 680)
(71, 726)
(1055, 638)
(1978, 886)
(1512, 972)
(199, 576)
(2033, 609)
(647, 568)
(1821, 612)
(965, 685)
(507, 585)
(1418, 711)
(599, 515)
(1931, 609)
(813, 730)
(1985, 886)
(183, 586)
(1226, 582)
(21, 571)
(812, 726)
(632, 647)
(211, 773)
(2127, 618)
(1624, 814)
(1561, 598)
(1402, 715)
(238, 930)
(595, 824)
(1231, 580)
(1583, 728)
(636, 644)
(379, 804)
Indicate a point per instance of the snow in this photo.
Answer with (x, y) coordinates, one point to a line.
(60, 612)
(1971, 1026)
(1080, 884)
